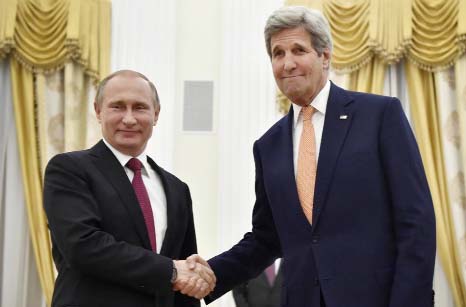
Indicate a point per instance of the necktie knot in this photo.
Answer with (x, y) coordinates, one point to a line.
(134, 164)
(307, 111)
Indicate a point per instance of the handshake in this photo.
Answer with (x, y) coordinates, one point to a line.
(194, 277)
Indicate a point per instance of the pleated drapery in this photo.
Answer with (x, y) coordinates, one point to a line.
(41, 36)
(426, 123)
(429, 33)
(65, 113)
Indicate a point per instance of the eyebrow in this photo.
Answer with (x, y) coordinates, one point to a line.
(116, 102)
(136, 102)
(278, 46)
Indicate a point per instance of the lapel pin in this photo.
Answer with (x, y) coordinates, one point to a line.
(343, 116)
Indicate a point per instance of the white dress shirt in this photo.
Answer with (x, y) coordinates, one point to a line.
(318, 118)
(277, 265)
(154, 187)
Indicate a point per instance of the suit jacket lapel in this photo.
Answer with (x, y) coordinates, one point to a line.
(108, 164)
(169, 241)
(333, 137)
(279, 159)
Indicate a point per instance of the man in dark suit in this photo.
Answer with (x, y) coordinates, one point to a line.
(262, 291)
(116, 218)
(341, 193)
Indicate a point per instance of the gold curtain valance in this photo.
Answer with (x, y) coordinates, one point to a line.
(430, 33)
(43, 34)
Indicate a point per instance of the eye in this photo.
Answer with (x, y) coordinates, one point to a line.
(278, 53)
(300, 50)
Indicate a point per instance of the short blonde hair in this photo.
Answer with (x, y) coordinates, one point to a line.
(100, 89)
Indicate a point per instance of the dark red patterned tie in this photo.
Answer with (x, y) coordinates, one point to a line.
(141, 193)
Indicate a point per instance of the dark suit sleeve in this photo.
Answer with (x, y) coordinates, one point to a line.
(412, 208)
(240, 295)
(75, 225)
(257, 250)
(189, 247)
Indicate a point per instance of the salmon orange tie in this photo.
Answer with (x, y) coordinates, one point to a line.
(307, 166)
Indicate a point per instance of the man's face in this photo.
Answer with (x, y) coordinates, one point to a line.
(299, 71)
(127, 113)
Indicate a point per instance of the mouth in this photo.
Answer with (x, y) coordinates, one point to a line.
(290, 77)
(128, 131)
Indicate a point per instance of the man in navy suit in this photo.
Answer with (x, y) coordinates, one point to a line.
(366, 238)
(116, 218)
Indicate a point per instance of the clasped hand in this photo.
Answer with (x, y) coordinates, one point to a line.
(195, 277)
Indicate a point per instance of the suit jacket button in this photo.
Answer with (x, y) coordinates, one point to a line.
(315, 239)
(316, 281)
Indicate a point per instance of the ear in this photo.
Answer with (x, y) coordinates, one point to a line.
(326, 58)
(156, 115)
(97, 111)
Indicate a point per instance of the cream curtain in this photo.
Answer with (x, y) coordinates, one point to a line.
(65, 112)
(369, 78)
(458, 191)
(396, 85)
(22, 85)
(370, 34)
(460, 78)
(19, 284)
(448, 114)
(425, 108)
(41, 36)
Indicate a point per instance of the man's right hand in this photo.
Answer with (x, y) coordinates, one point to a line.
(194, 277)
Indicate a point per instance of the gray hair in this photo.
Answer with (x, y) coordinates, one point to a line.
(311, 20)
(100, 89)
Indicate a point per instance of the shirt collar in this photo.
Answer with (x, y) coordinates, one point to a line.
(319, 103)
(124, 158)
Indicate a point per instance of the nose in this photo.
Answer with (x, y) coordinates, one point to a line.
(129, 118)
(289, 63)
